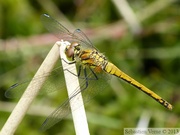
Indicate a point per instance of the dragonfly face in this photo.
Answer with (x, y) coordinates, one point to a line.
(72, 50)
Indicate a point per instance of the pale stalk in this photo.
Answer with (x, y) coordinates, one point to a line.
(129, 15)
(25, 101)
(76, 103)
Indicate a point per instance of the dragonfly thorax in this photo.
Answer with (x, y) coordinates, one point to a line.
(93, 59)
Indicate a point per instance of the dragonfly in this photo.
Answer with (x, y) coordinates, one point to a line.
(93, 68)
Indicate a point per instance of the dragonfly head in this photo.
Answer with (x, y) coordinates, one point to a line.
(72, 49)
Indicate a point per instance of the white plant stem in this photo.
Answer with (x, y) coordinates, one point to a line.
(24, 103)
(76, 103)
(129, 15)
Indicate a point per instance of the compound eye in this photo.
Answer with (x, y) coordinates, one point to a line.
(69, 51)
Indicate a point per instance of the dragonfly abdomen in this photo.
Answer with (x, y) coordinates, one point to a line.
(113, 70)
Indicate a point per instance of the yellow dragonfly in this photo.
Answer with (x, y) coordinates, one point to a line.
(93, 67)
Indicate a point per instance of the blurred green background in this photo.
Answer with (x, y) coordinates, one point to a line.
(145, 45)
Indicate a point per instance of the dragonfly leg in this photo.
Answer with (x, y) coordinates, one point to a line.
(69, 62)
(88, 77)
(79, 70)
(96, 78)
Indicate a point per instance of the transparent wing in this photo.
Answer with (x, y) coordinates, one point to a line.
(83, 39)
(61, 32)
(55, 81)
(55, 27)
(89, 87)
